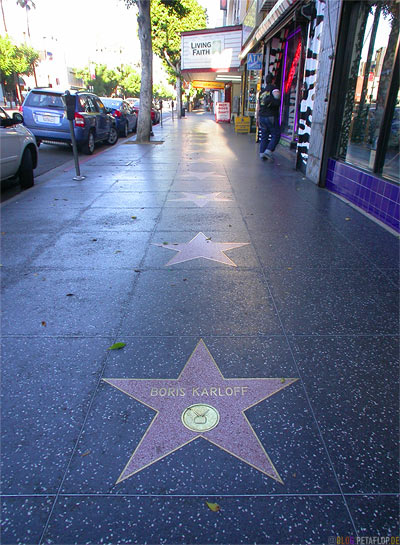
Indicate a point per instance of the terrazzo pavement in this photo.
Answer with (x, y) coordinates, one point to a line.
(307, 298)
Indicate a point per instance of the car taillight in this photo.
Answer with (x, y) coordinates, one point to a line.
(79, 120)
(116, 113)
(20, 109)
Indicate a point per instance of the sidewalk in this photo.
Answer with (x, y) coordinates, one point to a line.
(259, 373)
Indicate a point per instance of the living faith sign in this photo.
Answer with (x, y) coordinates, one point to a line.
(200, 403)
(210, 51)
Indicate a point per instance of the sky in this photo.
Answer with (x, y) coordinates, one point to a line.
(81, 28)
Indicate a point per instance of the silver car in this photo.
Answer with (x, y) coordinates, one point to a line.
(18, 149)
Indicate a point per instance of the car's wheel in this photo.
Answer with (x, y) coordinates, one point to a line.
(26, 170)
(88, 146)
(112, 137)
(125, 130)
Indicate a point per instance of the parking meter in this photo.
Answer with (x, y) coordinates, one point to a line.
(160, 105)
(70, 101)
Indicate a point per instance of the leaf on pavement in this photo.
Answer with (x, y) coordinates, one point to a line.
(117, 346)
(44, 324)
(213, 506)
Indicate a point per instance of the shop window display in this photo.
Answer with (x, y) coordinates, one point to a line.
(369, 84)
(291, 65)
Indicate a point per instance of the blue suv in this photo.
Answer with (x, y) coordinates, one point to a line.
(45, 116)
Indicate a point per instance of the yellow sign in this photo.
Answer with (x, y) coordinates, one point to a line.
(208, 84)
(242, 124)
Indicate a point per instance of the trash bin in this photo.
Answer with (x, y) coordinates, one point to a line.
(183, 111)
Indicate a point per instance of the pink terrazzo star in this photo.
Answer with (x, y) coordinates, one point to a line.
(200, 384)
(200, 175)
(200, 200)
(201, 246)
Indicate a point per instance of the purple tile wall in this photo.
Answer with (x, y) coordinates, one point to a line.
(378, 197)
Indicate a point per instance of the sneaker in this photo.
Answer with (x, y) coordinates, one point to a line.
(268, 154)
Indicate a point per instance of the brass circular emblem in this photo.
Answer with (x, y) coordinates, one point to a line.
(200, 417)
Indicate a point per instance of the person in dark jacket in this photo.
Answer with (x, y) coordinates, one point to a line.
(268, 105)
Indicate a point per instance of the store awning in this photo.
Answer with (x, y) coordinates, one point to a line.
(273, 16)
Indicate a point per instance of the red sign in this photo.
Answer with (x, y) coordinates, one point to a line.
(292, 70)
(223, 112)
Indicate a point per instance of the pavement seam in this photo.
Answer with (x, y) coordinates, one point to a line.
(101, 374)
(299, 375)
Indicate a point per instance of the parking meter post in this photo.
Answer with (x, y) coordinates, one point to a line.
(160, 106)
(75, 152)
(69, 101)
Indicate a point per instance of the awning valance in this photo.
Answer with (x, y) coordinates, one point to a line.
(273, 16)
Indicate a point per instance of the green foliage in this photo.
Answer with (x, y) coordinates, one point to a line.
(16, 59)
(124, 80)
(160, 91)
(26, 4)
(168, 21)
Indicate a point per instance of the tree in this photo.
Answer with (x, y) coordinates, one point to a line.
(15, 60)
(160, 91)
(4, 17)
(105, 82)
(169, 19)
(144, 127)
(123, 81)
(160, 26)
(130, 83)
(27, 5)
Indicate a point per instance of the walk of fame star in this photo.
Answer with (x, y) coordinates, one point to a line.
(201, 200)
(201, 246)
(200, 175)
(200, 403)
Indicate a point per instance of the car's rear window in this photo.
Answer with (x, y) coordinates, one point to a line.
(44, 100)
(111, 103)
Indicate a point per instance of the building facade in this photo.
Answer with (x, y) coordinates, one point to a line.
(337, 66)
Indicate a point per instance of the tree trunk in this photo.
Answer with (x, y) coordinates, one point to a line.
(4, 19)
(144, 127)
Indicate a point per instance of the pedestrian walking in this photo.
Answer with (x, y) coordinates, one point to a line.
(268, 118)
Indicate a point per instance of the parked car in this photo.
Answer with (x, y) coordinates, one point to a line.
(18, 150)
(135, 103)
(124, 114)
(45, 115)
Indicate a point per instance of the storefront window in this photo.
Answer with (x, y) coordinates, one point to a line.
(368, 87)
(391, 167)
(251, 92)
(291, 64)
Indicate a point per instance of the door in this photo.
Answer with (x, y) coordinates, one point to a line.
(103, 120)
(10, 150)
